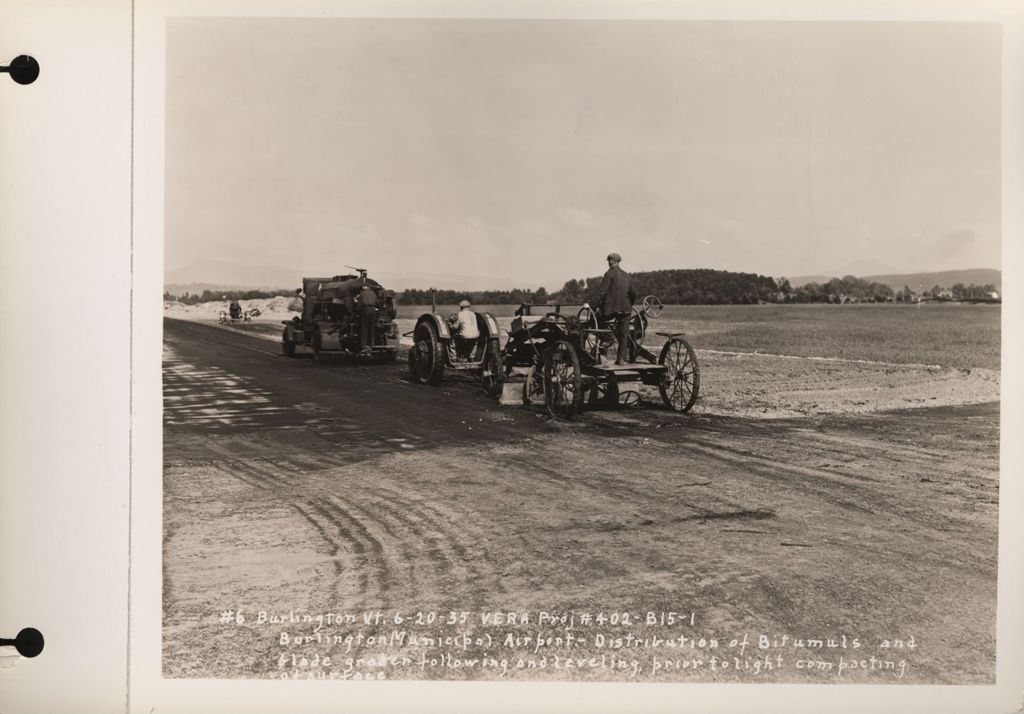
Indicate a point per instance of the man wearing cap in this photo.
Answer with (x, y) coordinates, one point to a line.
(367, 298)
(615, 299)
(465, 332)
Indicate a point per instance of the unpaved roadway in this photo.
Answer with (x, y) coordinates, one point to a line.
(336, 520)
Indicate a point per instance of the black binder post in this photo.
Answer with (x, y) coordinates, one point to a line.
(29, 642)
(23, 69)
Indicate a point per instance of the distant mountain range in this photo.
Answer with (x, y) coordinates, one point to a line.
(920, 281)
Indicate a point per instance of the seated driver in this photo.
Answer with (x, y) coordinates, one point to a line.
(465, 333)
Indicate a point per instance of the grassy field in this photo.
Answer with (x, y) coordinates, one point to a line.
(949, 335)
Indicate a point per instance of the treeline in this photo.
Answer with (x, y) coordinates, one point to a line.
(516, 296)
(850, 289)
(842, 290)
(213, 295)
(962, 292)
(691, 287)
(675, 287)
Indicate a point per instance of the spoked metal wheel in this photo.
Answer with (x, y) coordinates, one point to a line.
(491, 372)
(652, 306)
(533, 387)
(563, 380)
(591, 341)
(681, 382)
(637, 332)
(426, 357)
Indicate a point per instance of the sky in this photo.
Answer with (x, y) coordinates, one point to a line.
(524, 151)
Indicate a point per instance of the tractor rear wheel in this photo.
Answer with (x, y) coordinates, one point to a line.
(426, 357)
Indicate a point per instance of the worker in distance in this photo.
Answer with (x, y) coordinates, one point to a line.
(615, 300)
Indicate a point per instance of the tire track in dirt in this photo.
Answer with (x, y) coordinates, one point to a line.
(349, 543)
(857, 447)
(843, 491)
(447, 532)
(395, 556)
(372, 571)
(357, 521)
(389, 520)
(614, 489)
(333, 547)
(349, 547)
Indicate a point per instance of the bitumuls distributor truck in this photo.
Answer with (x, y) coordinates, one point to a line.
(345, 315)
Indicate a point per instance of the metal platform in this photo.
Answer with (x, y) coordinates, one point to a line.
(628, 367)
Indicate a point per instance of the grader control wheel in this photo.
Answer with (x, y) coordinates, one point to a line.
(652, 306)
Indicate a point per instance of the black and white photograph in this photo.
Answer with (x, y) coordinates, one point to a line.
(488, 356)
(585, 350)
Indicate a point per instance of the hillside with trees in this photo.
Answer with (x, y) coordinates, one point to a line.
(699, 286)
(516, 296)
(687, 287)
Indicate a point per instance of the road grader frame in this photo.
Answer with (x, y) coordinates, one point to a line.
(567, 359)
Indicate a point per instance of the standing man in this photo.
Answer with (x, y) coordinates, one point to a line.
(367, 316)
(615, 298)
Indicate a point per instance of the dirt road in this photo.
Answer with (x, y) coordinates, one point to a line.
(338, 521)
